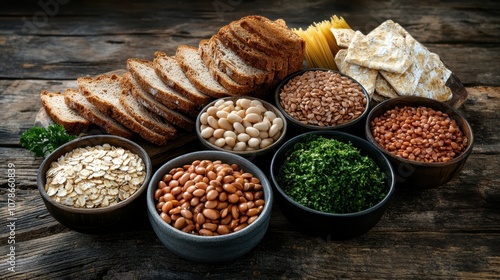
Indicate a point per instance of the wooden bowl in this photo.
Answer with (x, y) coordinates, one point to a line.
(354, 126)
(329, 225)
(411, 173)
(103, 219)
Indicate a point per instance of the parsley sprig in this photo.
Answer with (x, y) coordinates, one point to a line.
(331, 176)
(43, 141)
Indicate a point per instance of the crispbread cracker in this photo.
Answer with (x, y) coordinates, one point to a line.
(379, 50)
(343, 36)
(383, 88)
(365, 76)
(432, 83)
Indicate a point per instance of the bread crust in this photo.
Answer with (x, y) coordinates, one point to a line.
(73, 123)
(148, 101)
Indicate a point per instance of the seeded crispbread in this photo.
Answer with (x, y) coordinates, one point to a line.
(380, 50)
(432, 83)
(343, 36)
(365, 76)
(383, 88)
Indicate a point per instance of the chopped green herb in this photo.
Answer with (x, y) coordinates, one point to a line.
(43, 141)
(331, 176)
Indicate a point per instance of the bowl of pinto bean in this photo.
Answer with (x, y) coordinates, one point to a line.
(209, 206)
(427, 141)
(322, 99)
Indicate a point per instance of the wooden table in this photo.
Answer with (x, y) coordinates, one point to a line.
(448, 232)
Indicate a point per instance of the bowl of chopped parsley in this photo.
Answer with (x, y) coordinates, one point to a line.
(332, 184)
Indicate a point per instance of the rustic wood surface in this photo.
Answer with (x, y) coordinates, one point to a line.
(450, 232)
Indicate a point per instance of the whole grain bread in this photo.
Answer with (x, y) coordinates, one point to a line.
(252, 56)
(171, 73)
(60, 113)
(144, 116)
(144, 73)
(104, 92)
(234, 66)
(148, 101)
(233, 88)
(75, 100)
(197, 71)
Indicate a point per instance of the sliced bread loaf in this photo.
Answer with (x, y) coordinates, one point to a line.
(233, 88)
(234, 66)
(75, 100)
(149, 102)
(252, 56)
(197, 72)
(144, 116)
(171, 73)
(104, 92)
(144, 73)
(56, 108)
(278, 36)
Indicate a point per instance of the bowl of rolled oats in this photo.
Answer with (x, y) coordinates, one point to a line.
(95, 184)
(316, 99)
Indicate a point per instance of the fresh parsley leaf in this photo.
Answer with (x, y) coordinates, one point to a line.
(43, 141)
(331, 176)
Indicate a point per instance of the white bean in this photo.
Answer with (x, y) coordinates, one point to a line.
(212, 111)
(262, 126)
(229, 133)
(207, 132)
(203, 118)
(220, 142)
(222, 114)
(224, 123)
(252, 131)
(253, 118)
(240, 146)
(273, 130)
(279, 122)
(212, 122)
(243, 137)
(254, 142)
(234, 118)
(238, 127)
(266, 143)
(230, 141)
(219, 132)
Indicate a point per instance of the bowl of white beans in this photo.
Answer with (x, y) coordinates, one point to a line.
(246, 126)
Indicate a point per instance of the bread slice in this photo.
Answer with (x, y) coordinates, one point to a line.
(234, 88)
(234, 66)
(171, 73)
(144, 116)
(278, 36)
(144, 73)
(150, 103)
(75, 100)
(197, 72)
(104, 92)
(56, 108)
(252, 56)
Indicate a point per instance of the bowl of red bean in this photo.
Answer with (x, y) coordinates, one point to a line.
(209, 206)
(244, 125)
(322, 99)
(427, 141)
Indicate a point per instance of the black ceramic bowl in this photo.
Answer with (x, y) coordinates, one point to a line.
(353, 126)
(210, 249)
(416, 174)
(328, 225)
(95, 220)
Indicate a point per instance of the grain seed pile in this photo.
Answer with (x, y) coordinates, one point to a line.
(95, 176)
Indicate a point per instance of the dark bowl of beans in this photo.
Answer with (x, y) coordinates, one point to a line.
(246, 126)
(96, 184)
(331, 184)
(322, 99)
(209, 206)
(427, 141)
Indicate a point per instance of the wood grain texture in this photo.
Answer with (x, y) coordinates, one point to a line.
(450, 232)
